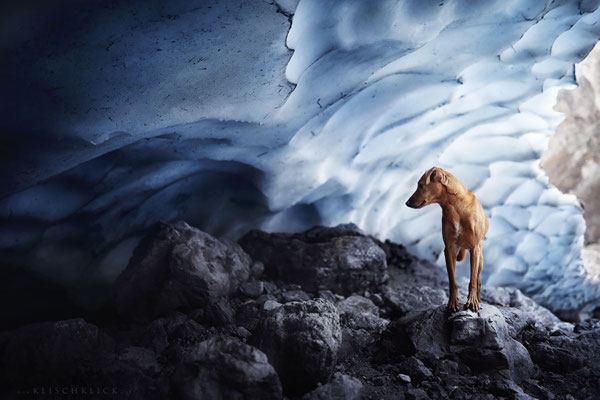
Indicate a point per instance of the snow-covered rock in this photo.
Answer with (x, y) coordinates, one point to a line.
(188, 110)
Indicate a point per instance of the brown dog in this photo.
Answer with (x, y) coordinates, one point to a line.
(464, 224)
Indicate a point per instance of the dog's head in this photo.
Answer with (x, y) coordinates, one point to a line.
(429, 189)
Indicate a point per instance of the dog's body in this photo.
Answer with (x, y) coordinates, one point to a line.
(464, 224)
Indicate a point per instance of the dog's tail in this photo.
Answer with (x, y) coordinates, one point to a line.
(461, 254)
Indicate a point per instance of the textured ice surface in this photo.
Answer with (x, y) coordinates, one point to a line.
(193, 114)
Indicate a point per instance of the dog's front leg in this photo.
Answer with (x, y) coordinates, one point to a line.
(450, 253)
(473, 299)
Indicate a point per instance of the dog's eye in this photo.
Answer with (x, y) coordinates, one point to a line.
(420, 185)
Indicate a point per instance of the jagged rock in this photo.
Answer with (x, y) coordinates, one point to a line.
(416, 394)
(507, 388)
(340, 259)
(288, 296)
(252, 289)
(415, 368)
(143, 358)
(359, 312)
(561, 351)
(420, 333)
(178, 267)
(174, 328)
(270, 305)
(225, 368)
(327, 295)
(301, 340)
(405, 298)
(215, 312)
(518, 309)
(341, 387)
(482, 341)
(256, 269)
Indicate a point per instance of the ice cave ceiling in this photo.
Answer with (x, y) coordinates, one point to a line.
(120, 114)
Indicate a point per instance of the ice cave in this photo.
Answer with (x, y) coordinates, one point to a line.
(234, 115)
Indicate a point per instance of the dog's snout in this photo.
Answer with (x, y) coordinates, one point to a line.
(407, 203)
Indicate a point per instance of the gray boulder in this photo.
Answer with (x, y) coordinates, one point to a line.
(480, 340)
(223, 368)
(178, 267)
(358, 312)
(404, 298)
(340, 259)
(301, 340)
(483, 342)
(341, 387)
(518, 309)
(561, 351)
(420, 333)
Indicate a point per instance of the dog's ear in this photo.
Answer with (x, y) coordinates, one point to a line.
(443, 178)
(431, 175)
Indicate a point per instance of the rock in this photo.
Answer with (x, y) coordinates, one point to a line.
(270, 305)
(215, 312)
(420, 333)
(416, 394)
(178, 267)
(143, 358)
(294, 295)
(356, 304)
(271, 288)
(327, 295)
(252, 289)
(376, 299)
(507, 388)
(248, 314)
(403, 299)
(256, 269)
(181, 333)
(404, 378)
(359, 312)
(415, 368)
(242, 332)
(564, 351)
(340, 259)
(225, 368)
(518, 309)
(341, 387)
(482, 341)
(301, 340)
(537, 391)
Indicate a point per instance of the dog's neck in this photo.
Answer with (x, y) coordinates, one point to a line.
(454, 198)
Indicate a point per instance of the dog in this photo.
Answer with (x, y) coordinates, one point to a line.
(464, 225)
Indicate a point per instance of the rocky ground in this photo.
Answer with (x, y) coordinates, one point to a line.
(326, 314)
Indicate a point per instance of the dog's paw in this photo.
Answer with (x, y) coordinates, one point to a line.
(453, 305)
(472, 303)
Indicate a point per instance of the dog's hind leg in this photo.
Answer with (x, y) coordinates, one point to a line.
(479, 274)
(461, 254)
